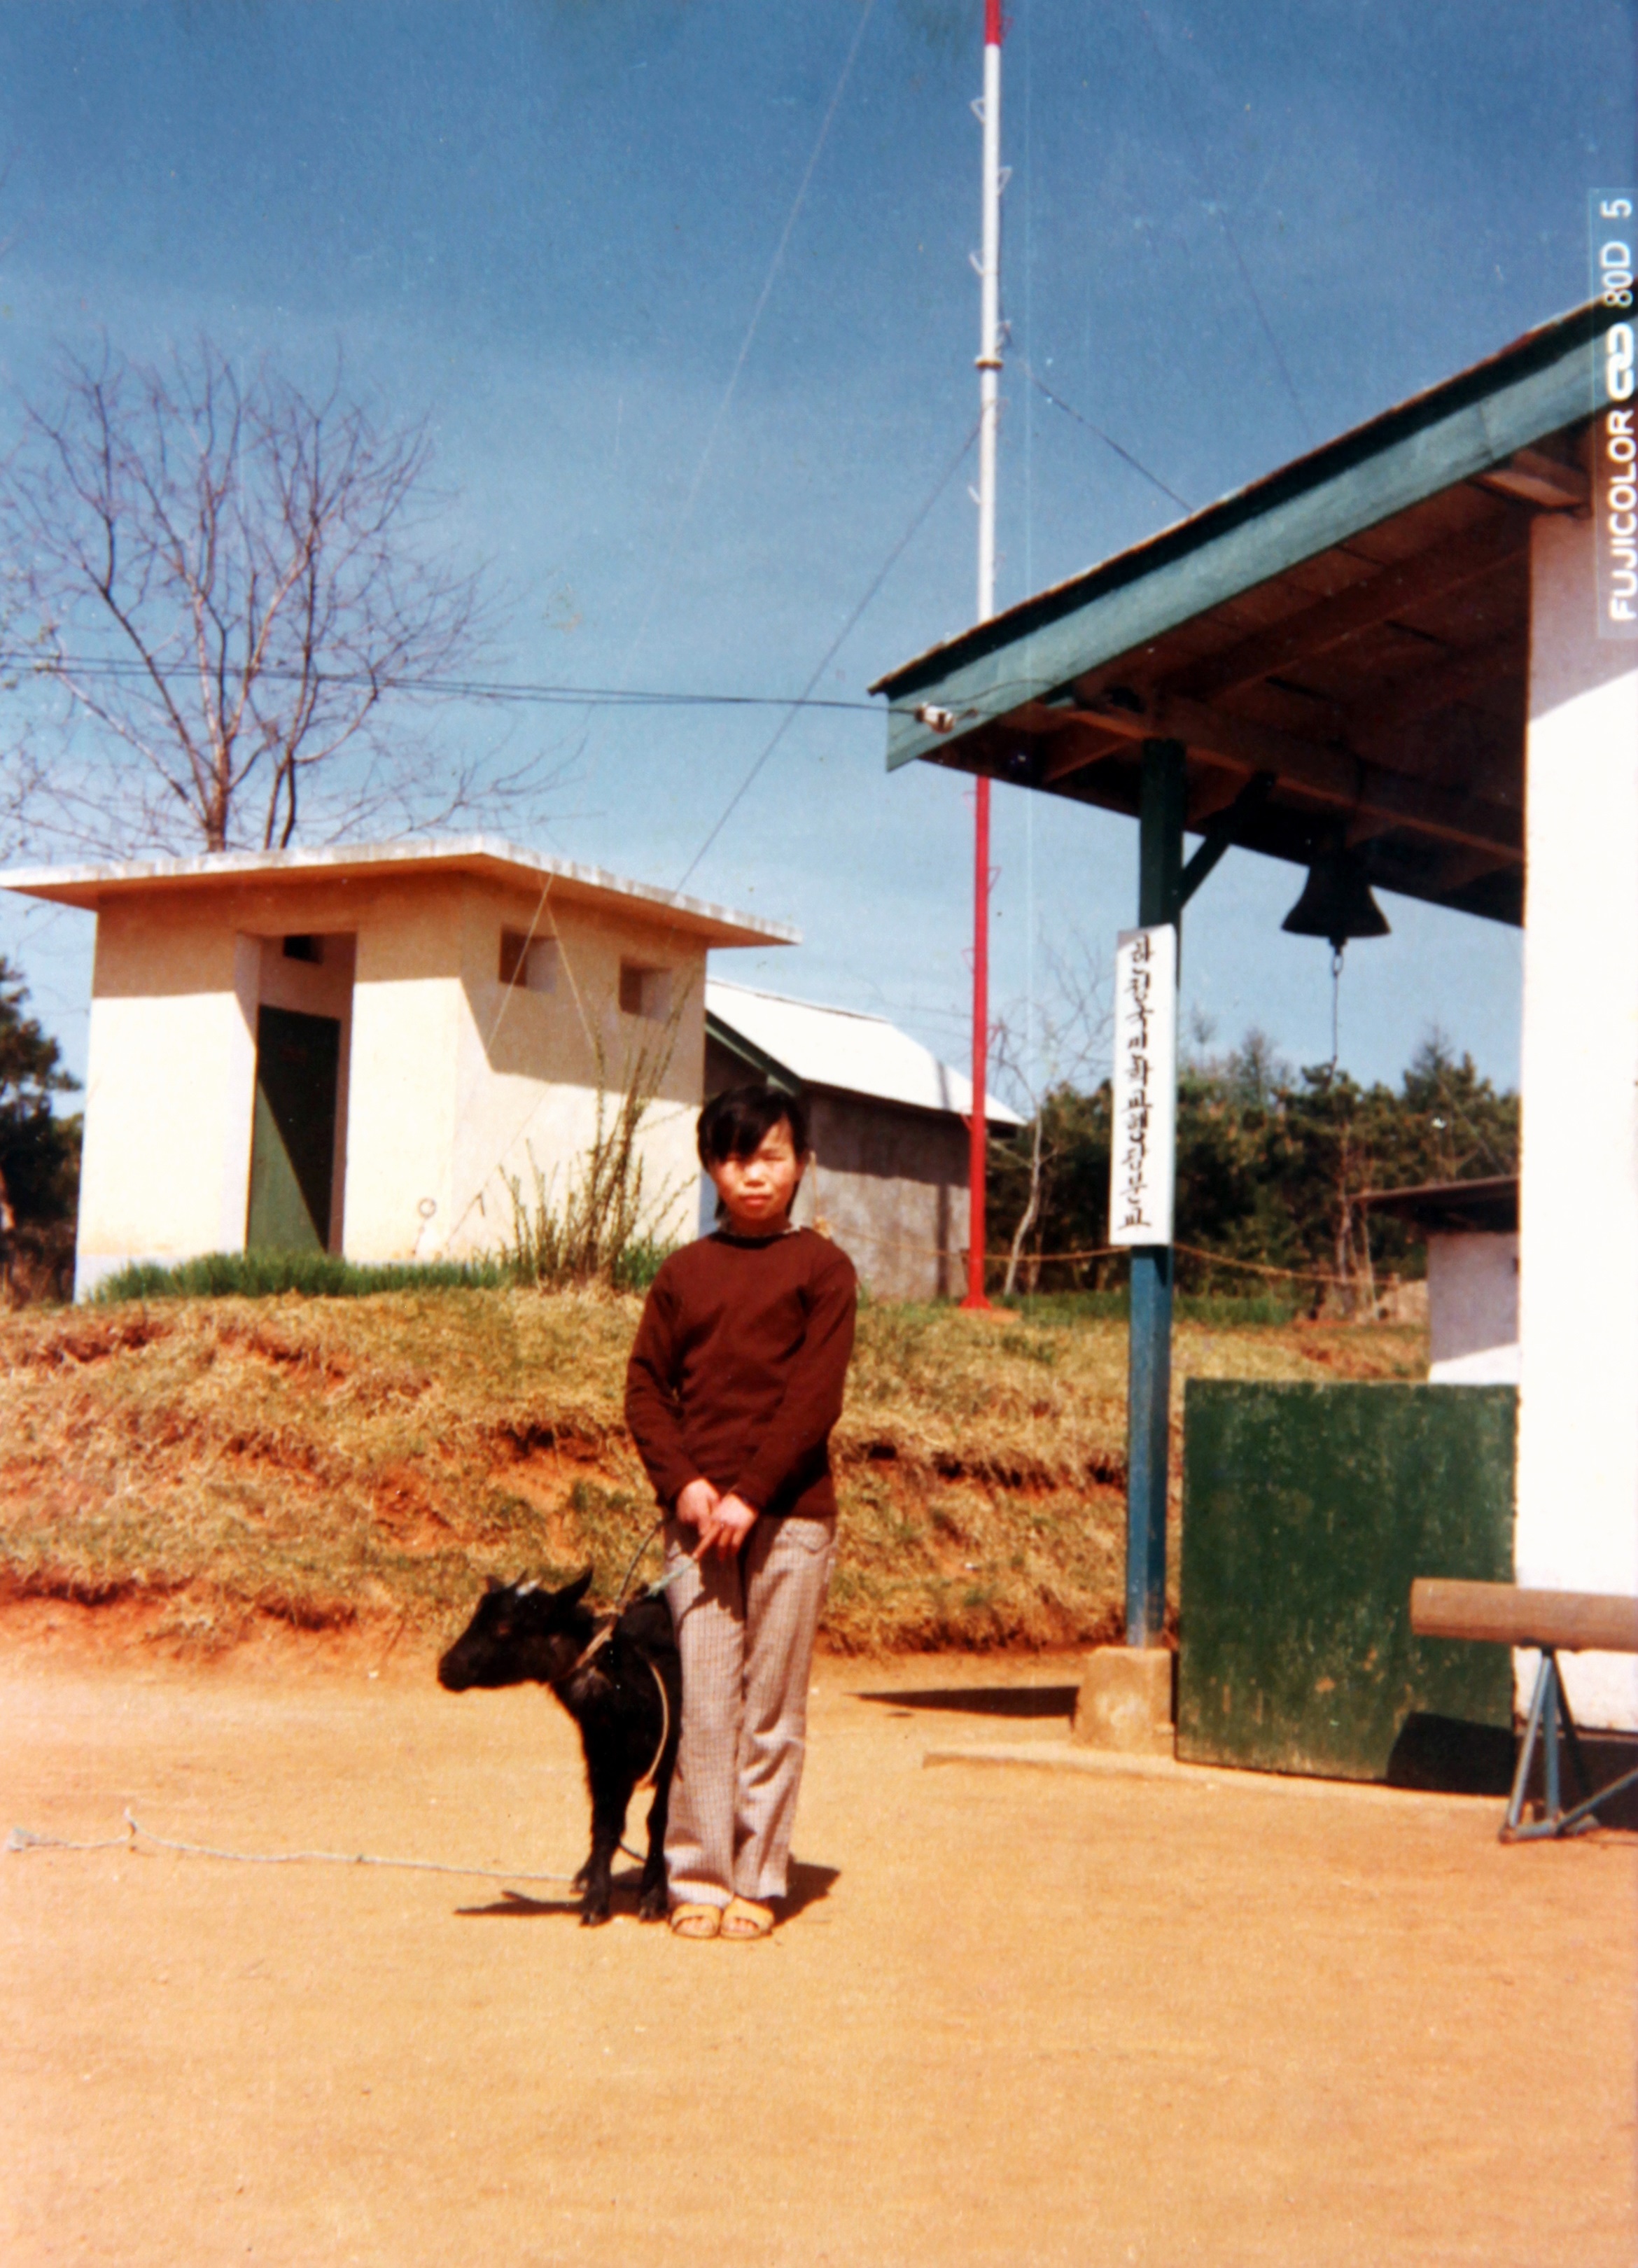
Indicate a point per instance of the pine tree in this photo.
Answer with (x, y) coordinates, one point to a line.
(39, 1151)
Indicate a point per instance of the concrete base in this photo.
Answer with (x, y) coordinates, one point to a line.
(1124, 1701)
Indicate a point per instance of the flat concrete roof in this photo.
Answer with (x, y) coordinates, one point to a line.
(485, 855)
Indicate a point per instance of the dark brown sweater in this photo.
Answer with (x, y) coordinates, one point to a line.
(737, 1372)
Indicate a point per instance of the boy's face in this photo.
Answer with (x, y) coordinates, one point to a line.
(757, 1191)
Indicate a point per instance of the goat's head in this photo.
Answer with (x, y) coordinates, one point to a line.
(521, 1632)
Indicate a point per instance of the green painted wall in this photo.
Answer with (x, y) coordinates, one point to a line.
(1307, 1513)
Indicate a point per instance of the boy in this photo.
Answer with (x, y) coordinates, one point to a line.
(735, 1381)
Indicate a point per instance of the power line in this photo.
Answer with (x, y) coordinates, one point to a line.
(456, 689)
(774, 266)
(1108, 439)
(1219, 212)
(833, 649)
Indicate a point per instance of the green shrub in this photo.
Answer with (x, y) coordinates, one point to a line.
(316, 1274)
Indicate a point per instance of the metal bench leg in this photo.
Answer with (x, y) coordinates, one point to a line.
(1585, 1814)
(1572, 1742)
(1551, 1724)
(1513, 1829)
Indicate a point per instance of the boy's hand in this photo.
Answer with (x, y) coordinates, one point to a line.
(697, 1507)
(731, 1522)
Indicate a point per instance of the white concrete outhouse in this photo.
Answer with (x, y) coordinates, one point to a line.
(361, 1050)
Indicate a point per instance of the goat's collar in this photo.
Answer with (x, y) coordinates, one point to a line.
(606, 1627)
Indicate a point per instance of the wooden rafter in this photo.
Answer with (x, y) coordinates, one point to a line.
(1539, 479)
(1393, 590)
(1451, 678)
(1332, 775)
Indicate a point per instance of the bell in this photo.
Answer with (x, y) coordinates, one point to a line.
(1336, 902)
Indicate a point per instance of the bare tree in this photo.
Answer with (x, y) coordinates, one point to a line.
(234, 586)
(1062, 1039)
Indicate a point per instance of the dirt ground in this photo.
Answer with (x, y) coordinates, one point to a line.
(1022, 2017)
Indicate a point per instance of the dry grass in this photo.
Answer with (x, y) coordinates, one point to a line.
(325, 1462)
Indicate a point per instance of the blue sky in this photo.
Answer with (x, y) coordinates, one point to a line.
(1232, 230)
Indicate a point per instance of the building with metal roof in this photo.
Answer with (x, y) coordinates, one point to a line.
(888, 1179)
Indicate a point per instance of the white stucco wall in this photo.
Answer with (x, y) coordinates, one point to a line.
(1472, 1309)
(449, 1084)
(169, 1086)
(529, 1064)
(1578, 1202)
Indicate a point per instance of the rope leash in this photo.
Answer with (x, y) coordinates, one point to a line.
(23, 1839)
(647, 1779)
(655, 1590)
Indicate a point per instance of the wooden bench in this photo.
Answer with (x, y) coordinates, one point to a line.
(1554, 1622)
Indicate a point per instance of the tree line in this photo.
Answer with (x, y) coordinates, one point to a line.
(39, 1153)
(1272, 1163)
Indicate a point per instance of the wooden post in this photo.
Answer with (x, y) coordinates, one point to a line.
(1148, 1376)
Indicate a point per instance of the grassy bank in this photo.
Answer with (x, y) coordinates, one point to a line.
(325, 1461)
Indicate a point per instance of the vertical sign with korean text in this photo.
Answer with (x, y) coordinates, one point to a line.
(1145, 1086)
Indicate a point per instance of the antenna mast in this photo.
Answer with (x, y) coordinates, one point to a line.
(989, 366)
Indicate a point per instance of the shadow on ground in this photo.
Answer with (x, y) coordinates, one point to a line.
(1449, 1756)
(806, 1887)
(1608, 1757)
(1454, 1757)
(981, 1700)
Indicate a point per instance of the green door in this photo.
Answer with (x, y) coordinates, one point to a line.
(292, 1151)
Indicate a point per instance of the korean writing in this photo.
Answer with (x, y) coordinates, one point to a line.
(1145, 1086)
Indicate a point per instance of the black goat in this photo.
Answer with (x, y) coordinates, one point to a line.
(523, 1634)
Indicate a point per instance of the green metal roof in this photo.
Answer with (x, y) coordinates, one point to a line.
(1467, 425)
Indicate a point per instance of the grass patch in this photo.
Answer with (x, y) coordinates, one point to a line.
(274, 1274)
(321, 1460)
(323, 1276)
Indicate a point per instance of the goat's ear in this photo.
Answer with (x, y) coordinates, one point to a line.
(492, 1583)
(572, 1593)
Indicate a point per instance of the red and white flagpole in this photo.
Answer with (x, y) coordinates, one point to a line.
(989, 361)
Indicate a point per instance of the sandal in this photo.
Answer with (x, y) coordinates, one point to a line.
(744, 1917)
(696, 1921)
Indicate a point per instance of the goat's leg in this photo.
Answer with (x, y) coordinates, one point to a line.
(608, 1808)
(651, 1906)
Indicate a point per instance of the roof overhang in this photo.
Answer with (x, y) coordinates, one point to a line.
(755, 1059)
(1453, 1208)
(1351, 634)
(484, 856)
(775, 1070)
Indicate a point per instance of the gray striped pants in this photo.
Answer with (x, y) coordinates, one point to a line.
(745, 1629)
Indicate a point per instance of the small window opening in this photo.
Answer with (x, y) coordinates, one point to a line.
(304, 948)
(644, 991)
(530, 964)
